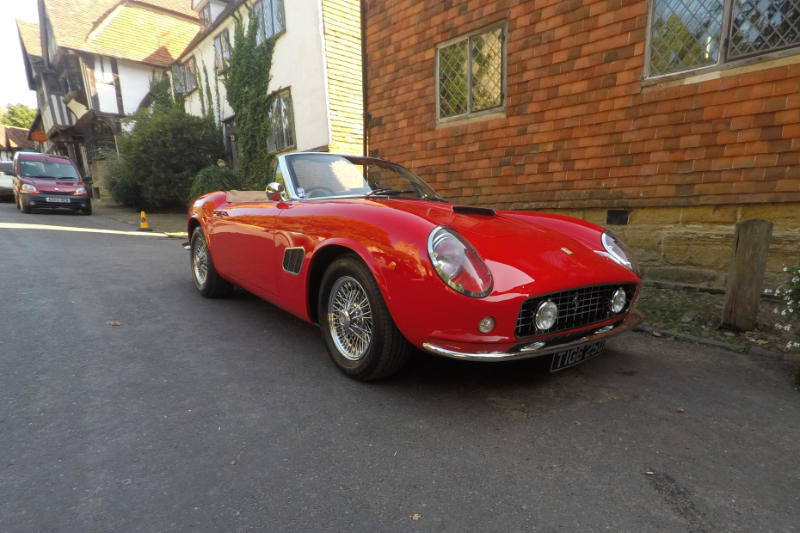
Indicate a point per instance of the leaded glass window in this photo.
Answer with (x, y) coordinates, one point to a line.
(688, 34)
(281, 121)
(471, 74)
(271, 20)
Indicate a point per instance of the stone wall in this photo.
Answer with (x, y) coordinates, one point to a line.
(692, 245)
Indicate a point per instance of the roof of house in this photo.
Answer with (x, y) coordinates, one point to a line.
(150, 31)
(232, 6)
(29, 33)
(11, 137)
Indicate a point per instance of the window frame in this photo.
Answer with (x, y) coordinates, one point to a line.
(722, 63)
(293, 146)
(219, 55)
(183, 70)
(258, 9)
(205, 15)
(491, 112)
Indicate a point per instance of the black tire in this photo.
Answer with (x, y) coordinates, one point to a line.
(213, 286)
(87, 211)
(387, 350)
(25, 208)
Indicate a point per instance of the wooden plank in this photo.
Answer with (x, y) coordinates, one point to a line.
(746, 276)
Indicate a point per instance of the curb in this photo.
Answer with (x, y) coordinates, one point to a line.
(752, 350)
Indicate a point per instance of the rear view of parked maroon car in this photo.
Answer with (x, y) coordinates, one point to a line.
(48, 182)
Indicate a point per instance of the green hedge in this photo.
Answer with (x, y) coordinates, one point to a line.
(215, 178)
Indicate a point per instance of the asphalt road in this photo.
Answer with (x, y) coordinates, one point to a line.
(137, 427)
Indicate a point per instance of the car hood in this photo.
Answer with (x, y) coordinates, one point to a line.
(523, 250)
(52, 185)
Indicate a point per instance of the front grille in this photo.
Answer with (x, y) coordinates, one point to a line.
(576, 308)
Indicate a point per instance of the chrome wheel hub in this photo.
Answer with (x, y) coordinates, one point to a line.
(200, 261)
(350, 318)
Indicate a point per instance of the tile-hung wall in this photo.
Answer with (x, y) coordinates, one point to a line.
(682, 114)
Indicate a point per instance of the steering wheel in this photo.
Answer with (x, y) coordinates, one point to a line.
(319, 192)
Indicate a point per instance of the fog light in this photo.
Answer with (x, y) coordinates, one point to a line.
(486, 325)
(546, 315)
(618, 301)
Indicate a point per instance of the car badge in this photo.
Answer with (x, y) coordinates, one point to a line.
(576, 302)
(567, 251)
(56, 188)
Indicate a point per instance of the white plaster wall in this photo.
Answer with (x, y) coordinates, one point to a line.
(298, 63)
(216, 9)
(134, 82)
(104, 82)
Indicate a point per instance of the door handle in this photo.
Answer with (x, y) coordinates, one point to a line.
(220, 213)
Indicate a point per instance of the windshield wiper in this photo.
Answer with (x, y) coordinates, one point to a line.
(388, 191)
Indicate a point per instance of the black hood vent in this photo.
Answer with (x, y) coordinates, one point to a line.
(473, 210)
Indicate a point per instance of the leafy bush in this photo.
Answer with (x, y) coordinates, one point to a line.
(107, 172)
(215, 178)
(163, 152)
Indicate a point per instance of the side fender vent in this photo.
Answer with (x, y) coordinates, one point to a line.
(293, 260)
(473, 210)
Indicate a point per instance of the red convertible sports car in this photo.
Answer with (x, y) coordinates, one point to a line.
(367, 250)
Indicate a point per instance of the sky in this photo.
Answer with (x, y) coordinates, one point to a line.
(13, 85)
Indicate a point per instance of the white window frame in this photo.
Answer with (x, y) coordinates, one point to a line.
(723, 63)
(503, 94)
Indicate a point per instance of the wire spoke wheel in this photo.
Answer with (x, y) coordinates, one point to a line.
(350, 318)
(200, 261)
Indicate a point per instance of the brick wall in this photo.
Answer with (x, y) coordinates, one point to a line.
(342, 26)
(581, 130)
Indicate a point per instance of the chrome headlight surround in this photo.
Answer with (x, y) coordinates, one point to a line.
(617, 251)
(457, 262)
(546, 315)
(618, 301)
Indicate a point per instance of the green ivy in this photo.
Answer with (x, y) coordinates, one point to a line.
(163, 151)
(246, 81)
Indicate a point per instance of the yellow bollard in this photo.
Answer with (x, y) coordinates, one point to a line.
(143, 224)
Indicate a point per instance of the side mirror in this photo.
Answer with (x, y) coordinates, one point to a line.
(274, 191)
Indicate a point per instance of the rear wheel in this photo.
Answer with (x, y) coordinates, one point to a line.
(361, 337)
(206, 279)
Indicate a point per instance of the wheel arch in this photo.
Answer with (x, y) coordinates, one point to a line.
(323, 257)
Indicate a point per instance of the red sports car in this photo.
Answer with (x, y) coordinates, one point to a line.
(370, 252)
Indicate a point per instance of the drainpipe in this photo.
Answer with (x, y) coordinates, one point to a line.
(364, 99)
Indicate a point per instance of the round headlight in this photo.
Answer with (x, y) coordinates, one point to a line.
(546, 315)
(620, 253)
(618, 301)
(458, 264)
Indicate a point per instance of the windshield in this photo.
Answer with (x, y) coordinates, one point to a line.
(328, 175)
(47, 170)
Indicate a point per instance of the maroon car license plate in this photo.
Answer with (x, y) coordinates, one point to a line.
(58, 200)
(576, 355)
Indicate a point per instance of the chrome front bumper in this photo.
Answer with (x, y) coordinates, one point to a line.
(540, 348)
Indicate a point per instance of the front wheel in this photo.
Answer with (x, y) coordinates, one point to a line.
(87, 211)
(206, 279)
(25, 208)
(361, 337)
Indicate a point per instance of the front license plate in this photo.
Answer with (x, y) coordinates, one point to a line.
(576, 355)
(58, 200)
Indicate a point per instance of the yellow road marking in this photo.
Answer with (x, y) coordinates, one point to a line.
(10, 225)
